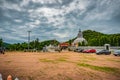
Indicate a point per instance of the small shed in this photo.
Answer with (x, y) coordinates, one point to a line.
(64, 45)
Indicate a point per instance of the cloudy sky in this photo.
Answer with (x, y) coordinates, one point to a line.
(56, 19)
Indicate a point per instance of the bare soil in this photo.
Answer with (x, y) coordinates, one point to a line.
(59, 66)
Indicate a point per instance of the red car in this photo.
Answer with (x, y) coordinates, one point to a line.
(89, 51)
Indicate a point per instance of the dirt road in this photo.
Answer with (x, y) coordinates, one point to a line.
(59, 66)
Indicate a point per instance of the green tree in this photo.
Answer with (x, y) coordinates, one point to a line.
(1, 42)
(36, 43)
(70, 42)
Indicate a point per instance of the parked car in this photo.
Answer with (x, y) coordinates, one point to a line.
(116, 53)
(106, 52)
(89, 51)
(78, 50)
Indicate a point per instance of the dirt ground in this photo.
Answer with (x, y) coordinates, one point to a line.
(59, 66)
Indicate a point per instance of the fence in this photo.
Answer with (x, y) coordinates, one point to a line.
(100, 47)
(8, 78)
(112, 48)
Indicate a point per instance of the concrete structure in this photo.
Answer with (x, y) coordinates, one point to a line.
(107, 46)
(98, 48)
(51, 48)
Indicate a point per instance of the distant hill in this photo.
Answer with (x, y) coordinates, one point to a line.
(5, 44)
(95, 38)
(89, 34)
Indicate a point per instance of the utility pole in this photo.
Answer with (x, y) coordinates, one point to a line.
(29, 40)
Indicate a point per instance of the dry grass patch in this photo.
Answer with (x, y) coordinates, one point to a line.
(109, 59)
(8, 61)
(61, 59)
(59, 66)
(100, 68)
(31, 78)
(60, 77)
(47, 60)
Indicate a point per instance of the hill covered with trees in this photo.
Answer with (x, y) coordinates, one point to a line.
(99, 39)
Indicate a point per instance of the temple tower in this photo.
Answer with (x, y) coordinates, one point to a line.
(79, 39)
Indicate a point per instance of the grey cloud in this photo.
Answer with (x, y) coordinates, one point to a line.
(56, 19)
(116, 18)
(13, 1)
(55, 4)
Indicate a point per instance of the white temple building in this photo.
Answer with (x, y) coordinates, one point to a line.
(79, 39)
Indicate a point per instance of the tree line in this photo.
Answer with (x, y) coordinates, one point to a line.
(35, 44)
(93, 38)
(98, 39)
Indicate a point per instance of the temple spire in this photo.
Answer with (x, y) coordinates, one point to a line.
(80, 35)
(79, 30)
